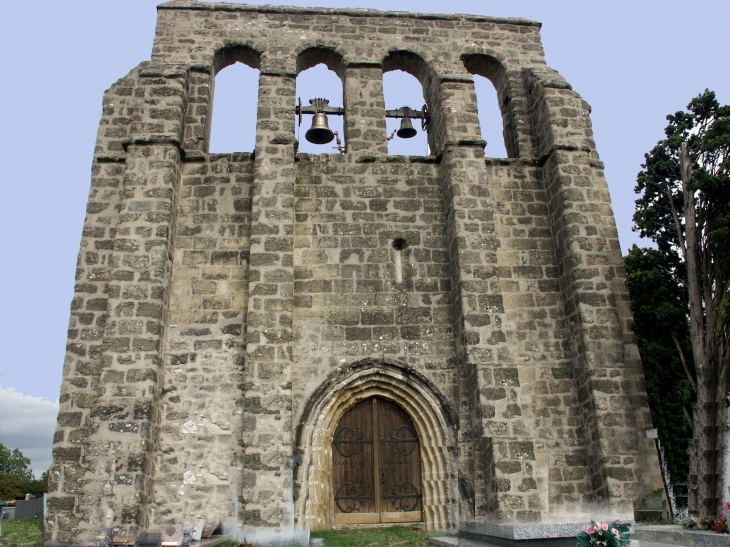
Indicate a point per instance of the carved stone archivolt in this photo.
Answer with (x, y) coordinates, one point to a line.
(435, 432)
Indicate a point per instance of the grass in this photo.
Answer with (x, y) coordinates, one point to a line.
(23, 533)
(27, 533)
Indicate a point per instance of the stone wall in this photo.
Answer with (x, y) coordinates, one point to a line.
(202, 402)
(229, 308)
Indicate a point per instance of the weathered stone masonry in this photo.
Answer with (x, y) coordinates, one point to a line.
(229, 308)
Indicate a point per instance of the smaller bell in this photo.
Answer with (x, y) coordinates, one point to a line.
(406, 130)
(320, 132)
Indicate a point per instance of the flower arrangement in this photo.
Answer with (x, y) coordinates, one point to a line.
(718, 524)
(603, 534)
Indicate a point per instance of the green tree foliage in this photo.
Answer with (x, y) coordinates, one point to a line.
(37, 487)
(16, 478)
(659, 305)
(12, 487)
(13, 462)
(685, 208)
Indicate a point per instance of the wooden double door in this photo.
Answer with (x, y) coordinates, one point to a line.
(376, 465)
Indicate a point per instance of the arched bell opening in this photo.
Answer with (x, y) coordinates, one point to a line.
(408, 104)
(232, 114)
(233, 125)
(320, 102)
(406, 135)
(494, 105)
(490, 118)
(431, 420)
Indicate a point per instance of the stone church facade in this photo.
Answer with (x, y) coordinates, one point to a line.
(230, 310)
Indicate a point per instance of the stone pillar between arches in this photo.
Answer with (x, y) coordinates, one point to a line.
(365, 110)
(266, 485)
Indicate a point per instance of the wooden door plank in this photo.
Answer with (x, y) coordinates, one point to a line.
(376, 456)
(398, 450)
(352, 462)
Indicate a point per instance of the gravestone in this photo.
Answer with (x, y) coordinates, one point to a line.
(147, 539)
(29, 509)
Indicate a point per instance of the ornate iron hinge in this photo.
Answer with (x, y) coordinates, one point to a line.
(396, 443)
(357, 496)
(353, 445)
(408, 489)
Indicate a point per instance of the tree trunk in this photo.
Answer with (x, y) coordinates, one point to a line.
(704, 477)
(706, 456)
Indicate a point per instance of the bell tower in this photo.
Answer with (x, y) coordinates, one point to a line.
(231, 311)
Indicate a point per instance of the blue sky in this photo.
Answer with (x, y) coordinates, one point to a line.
(633, 61)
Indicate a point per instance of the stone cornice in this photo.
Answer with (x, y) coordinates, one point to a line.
(352, 12)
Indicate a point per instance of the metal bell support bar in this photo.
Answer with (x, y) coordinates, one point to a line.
(318, 105)
(320, 133)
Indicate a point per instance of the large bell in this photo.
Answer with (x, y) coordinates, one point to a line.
(406, 130)
(320, 132)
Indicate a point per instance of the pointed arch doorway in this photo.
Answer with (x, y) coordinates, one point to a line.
(376, 465)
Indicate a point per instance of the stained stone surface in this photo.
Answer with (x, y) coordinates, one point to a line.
(677, 535)
(225, 305)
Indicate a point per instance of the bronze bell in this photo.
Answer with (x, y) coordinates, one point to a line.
(320, 132)
(406, 130)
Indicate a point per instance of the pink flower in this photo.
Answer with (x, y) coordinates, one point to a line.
(603, 526)
(616, 534)
(723, 518)
(591, 530)
(726, 507)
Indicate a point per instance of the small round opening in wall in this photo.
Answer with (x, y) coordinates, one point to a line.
(400, 244)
